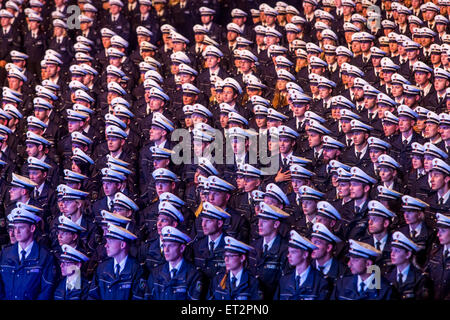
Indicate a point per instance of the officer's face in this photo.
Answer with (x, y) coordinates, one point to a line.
(199, 146)
(309, 207)
(143, 9)
(251, 183)
(156, 133)
(346, 126)
(444, 236)
(198, 118)
(164, 221)
(23, 232)
(164, 186)
(377, 224)
(15, 193)
(114, 9)
(356, 190)
(223, 120)
(374, 153)
(267, 227)
(322, 248)
(386, 174)
(330, 154)
(218, 198)
(438, 180)
(52, 69)
(397, 90)
(440, 84)
(299, 109)
(32, 149)
(435, 58)
(273, 202)
(399, 256)
(416, 161)
(211, 226)
(70, 207)
(14, 83)
(228, 95)
(431, 130)
(205, 19)
(173, 250)
(297, 183)
(357, 265)
(324, 92)
(66, 237)
(389, 128)
(246, 65)
(41, 114)
(314, 139)
(110, 188)
(161, 163)
(5, 22)
(73, 125)
(413, 217)
(421, 78)
(343, 189)
(359, 137)
(114, 143)
(412, 54)
(233, 261)
(37, 176)
(285, 145)
(296, 256)
(114, 247)
(273, 123)
(261, 121)
(444, 131)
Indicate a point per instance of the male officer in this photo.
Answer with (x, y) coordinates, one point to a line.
(177, 279)
(209, 249)
(410, 282)
(120, 276)
(305, 283)
(324, 256)
(360, 285)
(439, 263)
(28, 270)
(268, 260)
(236, 283)
(380, 220)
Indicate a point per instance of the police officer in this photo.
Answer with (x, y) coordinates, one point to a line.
(305, 283)
(177, 279)
(236, 283)
(360, 284)
(28, 270)
(209, 249)
(268, 260)
(120, 276)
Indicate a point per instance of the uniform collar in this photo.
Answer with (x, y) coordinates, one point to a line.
(27, 249)
(303, 275)
(238, 276)
(121, 264)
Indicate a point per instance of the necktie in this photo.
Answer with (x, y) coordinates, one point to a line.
(441, 201)
(285, 162)
(321, 268)
(378, 245)
(316, 154)
(413, 234)
(117, 270)
(211, 246)
(446, 254)
(405, 142)
(173, 272)
(36, 194)
(233, 282)
(361, 287)
(358, 155)
(297, 282)
(400, 278)
(266, 248)
(349, 142)
(22, 256)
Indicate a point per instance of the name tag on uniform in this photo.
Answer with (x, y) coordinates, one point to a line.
(39, 42)
(180, 290)
(241, 298)
(270, 266)
(35, 270)
(119, 27)
(125, 286)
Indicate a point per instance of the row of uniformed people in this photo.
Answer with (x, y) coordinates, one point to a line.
(28, 270)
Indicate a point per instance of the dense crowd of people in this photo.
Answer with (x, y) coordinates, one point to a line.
(315, 139)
